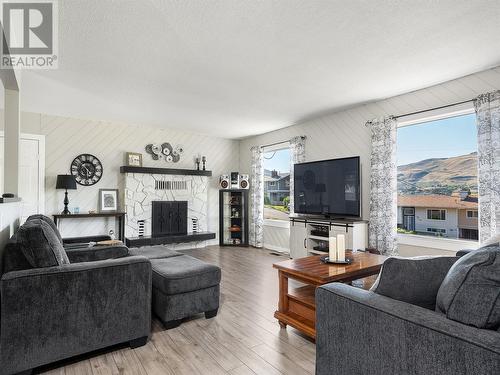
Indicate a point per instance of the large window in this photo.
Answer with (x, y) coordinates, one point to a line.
(277, 184)
(436, 214)
(437, 178)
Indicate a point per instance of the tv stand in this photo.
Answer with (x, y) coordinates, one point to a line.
(310, 235)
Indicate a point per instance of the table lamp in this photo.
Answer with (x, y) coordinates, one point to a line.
(66, 181)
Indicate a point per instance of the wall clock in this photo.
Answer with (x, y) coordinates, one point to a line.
(87, 169)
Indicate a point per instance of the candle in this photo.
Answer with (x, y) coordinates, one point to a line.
(332, 247)
(341, 247)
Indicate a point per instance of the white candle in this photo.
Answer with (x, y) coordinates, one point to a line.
(332, 246)
(341, 247)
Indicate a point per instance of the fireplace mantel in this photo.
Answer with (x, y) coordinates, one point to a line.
(173, 171)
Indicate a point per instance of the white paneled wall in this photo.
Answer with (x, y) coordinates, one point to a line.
(66, 138)
(344, 133)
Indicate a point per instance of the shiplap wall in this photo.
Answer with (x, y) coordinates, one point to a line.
(344, 133)
(66, 138)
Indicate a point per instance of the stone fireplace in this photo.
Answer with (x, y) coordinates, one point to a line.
(142, 189)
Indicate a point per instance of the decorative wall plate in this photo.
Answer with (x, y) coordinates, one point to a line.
(165, 151)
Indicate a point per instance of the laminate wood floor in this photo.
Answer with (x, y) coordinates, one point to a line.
(243, 339)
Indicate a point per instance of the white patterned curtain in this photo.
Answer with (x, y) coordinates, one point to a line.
(297, 155)
(257, 197)
(488, 137)
(383, 187)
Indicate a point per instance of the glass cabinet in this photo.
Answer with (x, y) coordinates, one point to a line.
(233, 217)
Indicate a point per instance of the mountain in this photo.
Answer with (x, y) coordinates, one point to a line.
(439, 176)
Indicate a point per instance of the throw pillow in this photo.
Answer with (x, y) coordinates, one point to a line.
(40, 245)
(413, 280)
(470, 292)
(49, 221)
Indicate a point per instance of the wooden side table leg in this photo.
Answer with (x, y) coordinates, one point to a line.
(283, 298)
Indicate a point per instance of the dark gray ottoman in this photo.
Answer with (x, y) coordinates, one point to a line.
(154, 252)
(184, 286)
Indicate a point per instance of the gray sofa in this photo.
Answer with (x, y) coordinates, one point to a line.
(423, 316)
(63, 309)
(60, 298)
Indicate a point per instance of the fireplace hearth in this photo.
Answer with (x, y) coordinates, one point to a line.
(169, 218)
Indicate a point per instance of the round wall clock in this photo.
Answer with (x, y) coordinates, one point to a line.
(87, 169)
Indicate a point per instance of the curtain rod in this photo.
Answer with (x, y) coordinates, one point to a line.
(281, 142)
(433, 109)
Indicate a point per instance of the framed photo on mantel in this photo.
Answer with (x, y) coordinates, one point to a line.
(134, 159)
(108, 200)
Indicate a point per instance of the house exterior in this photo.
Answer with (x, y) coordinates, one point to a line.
(454, 216)
(277, 187)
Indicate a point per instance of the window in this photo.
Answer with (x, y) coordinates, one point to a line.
(277, 184)
(436, 214)
(408, 211)
(472, 214)
(437, 176)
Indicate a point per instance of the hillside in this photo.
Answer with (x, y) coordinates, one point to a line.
(438, 176)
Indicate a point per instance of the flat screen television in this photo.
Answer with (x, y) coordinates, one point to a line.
(328, 187)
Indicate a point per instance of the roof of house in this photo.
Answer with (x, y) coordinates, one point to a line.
(438, 201)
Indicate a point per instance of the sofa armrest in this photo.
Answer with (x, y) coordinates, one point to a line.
(461, 253)
(48, 314)
(361, 332)
(413, 280)
(84, 240)
(95, 253)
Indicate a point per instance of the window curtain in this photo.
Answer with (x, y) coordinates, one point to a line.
(297, 155)
(487, 108)
(257, 197)
(383, 186)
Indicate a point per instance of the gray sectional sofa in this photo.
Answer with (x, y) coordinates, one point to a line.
(60, 298)
(426, 316)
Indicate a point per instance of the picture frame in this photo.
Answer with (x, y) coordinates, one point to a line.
(134, 159)
(108, 200)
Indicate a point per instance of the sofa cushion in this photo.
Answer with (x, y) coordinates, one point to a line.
(154, 252)
(470, 292)
(13, 258)
(40, 245)
(181, 274)
(49, 221)
(413, 280)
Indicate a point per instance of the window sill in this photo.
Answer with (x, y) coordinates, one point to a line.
(276, 223)
(449, 244)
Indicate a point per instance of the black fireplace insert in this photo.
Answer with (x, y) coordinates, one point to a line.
(169, 218)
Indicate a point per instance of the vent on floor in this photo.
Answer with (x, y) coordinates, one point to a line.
(170, 185)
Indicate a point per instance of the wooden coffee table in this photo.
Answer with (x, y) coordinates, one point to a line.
(297, 307)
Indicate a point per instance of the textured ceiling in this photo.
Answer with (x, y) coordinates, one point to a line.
(236, 68)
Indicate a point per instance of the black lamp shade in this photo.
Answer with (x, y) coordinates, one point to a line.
(66, 181)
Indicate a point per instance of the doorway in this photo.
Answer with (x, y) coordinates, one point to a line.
(31, 173)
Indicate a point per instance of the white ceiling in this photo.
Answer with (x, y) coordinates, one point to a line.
(235, 68)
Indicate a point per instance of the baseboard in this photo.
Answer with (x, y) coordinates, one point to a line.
(277, 248)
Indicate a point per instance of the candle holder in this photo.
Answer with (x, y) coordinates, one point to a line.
(197, 161)
(204, 161)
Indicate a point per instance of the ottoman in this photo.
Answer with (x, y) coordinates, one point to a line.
(153, 252)
(184, 286)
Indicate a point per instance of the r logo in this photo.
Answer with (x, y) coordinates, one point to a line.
(28, 28)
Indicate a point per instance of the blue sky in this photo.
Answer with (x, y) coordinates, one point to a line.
(437, 139)
(280, 161)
